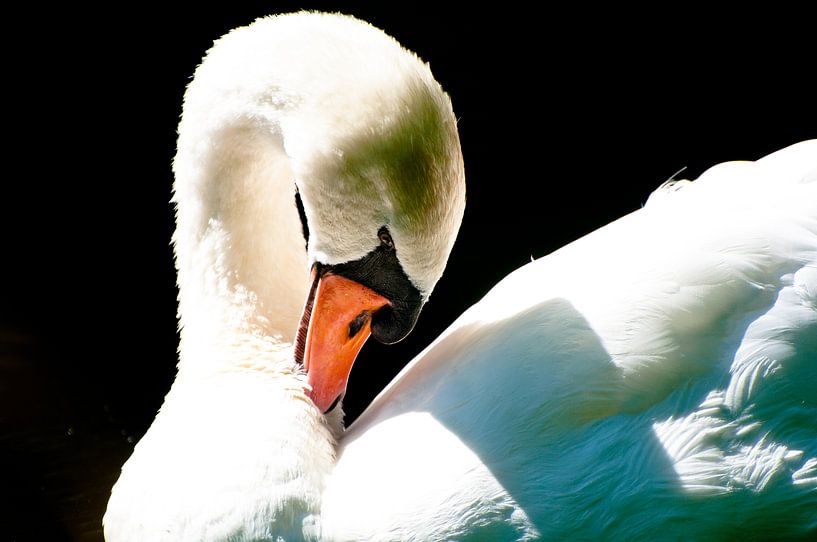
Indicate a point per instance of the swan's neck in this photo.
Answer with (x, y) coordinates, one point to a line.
(371, 139)
(237, 444)
(240, 253)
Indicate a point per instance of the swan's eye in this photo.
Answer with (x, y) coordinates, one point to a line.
(385, 238)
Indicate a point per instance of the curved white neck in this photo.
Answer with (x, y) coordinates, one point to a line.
(238, 447)
(237, 439)
(240, 254)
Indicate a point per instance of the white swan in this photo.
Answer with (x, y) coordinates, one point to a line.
(655, 379)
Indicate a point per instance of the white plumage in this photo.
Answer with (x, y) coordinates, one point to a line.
(656, 379)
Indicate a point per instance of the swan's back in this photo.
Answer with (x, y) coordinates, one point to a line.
(654, 379)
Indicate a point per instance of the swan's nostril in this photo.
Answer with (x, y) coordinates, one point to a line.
(357, 324)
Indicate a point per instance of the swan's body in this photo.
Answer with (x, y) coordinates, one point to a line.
(654, 379)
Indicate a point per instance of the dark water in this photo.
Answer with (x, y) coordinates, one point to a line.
(59, 452)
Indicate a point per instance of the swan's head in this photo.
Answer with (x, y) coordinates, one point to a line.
(383, 189)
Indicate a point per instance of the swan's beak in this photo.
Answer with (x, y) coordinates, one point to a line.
(339, 325)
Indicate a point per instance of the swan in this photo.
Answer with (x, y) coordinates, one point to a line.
(654, 379)
(329, 111)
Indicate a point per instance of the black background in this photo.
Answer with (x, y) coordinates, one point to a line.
(568, 119)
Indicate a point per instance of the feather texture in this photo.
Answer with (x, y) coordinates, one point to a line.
(654, 377)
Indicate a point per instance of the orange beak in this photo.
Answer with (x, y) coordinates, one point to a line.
(339, 325)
